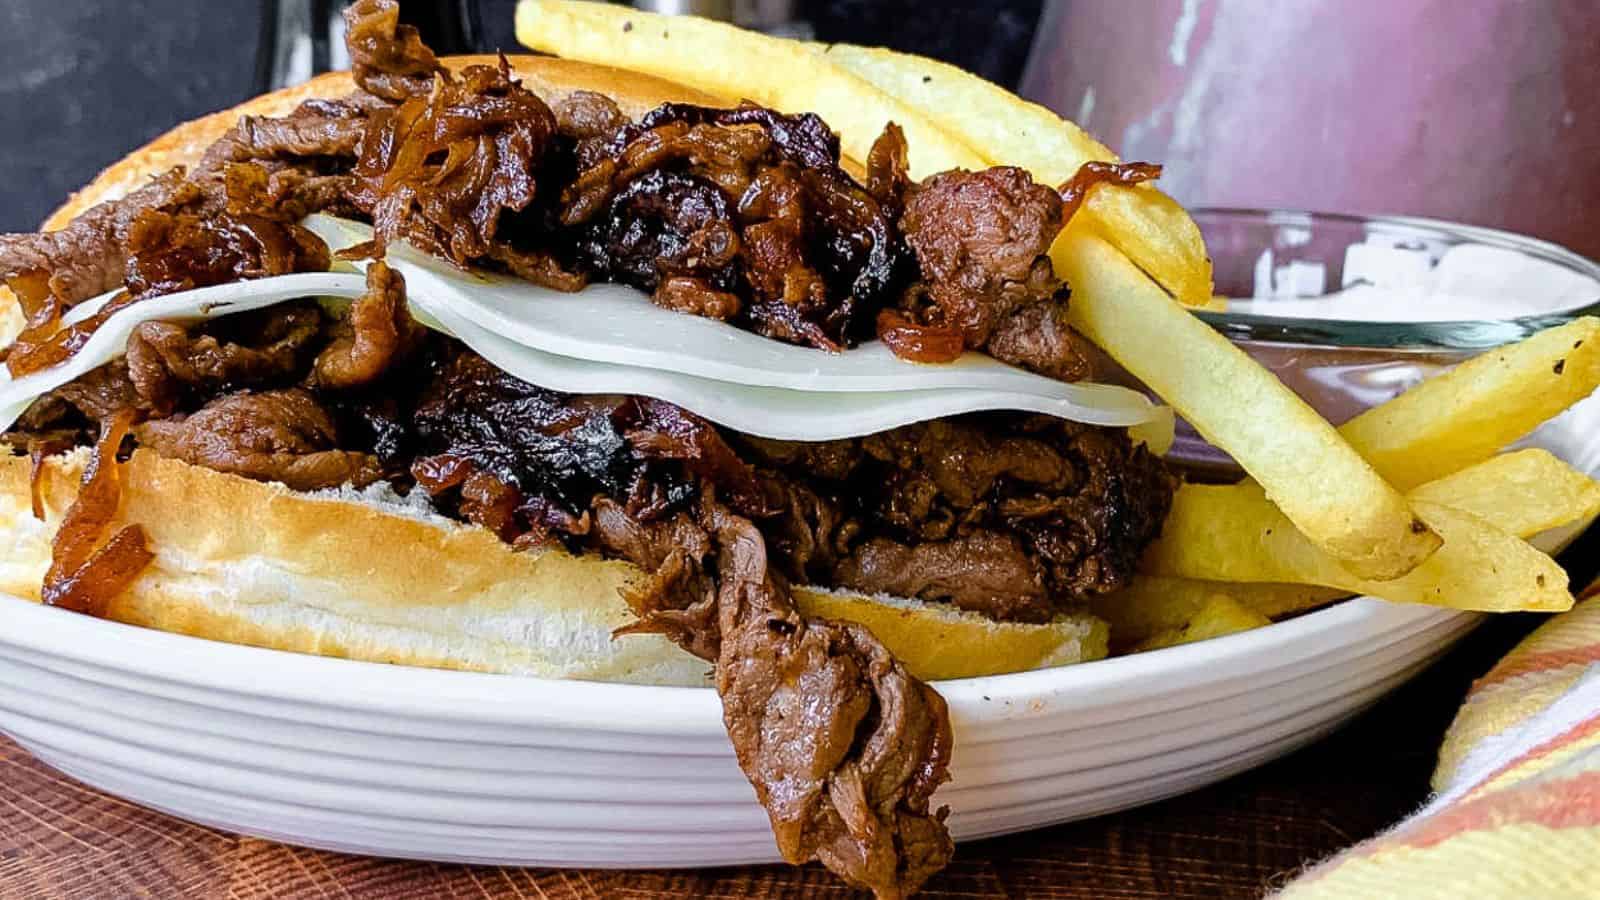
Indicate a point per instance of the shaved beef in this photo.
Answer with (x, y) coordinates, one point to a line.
(95, 397)
(591, 121)
(742, 214)
(310, 131)
(284, 436)
(981, 240)
(1037, 337)
(378, 331)
(1013, 516)
(168, 362)
(984, 571)
(387, 59)
(844, 747)
(283, 193)
(169, 253)
(86, 258)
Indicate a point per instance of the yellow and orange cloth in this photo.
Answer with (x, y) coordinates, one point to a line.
(1517, 808)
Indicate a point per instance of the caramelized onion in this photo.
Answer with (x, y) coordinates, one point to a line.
(38, 452)
(84, 577)
(1095, 172)
(919, 343)
(41, 346)
(168, 253)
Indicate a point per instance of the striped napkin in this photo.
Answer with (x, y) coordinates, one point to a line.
(1516, 812)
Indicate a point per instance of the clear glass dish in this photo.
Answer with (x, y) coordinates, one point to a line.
(1350, 311)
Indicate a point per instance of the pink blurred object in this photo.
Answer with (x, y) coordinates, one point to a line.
(1486, 112)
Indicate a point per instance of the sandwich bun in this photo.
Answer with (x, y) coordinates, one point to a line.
(367, 575)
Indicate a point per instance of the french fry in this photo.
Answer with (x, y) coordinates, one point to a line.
(1151, 604)
(1218, 616)
(1233, 533)
(735, 64)
(1466, 415)
(1523, 492)
(1322, 485)
(1147, 225)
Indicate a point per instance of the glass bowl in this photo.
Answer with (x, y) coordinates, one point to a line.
(1350, 311)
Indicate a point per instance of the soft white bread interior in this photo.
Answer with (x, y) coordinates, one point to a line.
(370, 577)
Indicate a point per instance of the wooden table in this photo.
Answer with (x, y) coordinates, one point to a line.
(60, 840)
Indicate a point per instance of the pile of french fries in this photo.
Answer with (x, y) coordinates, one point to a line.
(1412, 501)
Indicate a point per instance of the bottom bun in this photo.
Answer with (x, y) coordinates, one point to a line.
(367, 575)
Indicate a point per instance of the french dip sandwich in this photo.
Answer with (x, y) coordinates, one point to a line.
(317, 374)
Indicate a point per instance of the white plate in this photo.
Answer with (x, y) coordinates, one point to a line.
(467, 767)
(455, 766)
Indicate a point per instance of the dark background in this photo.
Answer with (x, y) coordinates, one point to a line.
(82, 84)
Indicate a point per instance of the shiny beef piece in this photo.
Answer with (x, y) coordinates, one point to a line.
(376, 334)
(844, 747)
(591, 121)
(179, 252)
(170, 364)
(284, 193)
(563, 450)
(324, 129)
(388, 60)
(981, 240)
(176, 252)
(285, 436)
(95, 398)
(742, 214)
(1012, 516)
(1037, 337)
(87, 257)
(986, 571)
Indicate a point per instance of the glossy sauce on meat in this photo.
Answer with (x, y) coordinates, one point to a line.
(744, 215)
(87, 570)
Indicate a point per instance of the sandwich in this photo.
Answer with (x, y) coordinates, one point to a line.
(320, 373)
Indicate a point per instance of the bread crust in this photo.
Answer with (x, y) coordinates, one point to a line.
(343, 575)
(351, 576)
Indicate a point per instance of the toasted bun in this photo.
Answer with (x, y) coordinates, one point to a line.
(369, 577)
(364, 576)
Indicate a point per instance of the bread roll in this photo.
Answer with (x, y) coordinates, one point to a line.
(370, 576)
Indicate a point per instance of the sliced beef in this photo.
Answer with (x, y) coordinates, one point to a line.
(742, 214)
(377, 332)
(984, 571)
(313, 131)
(86, 258)
(388, 60)
(1037, 337)
(1013, 516)
(170, 252)
(981, 240)
(169, 363)
(591, 121)
(285, 193)
(844, 747)
(284, 436)
(92, 398)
